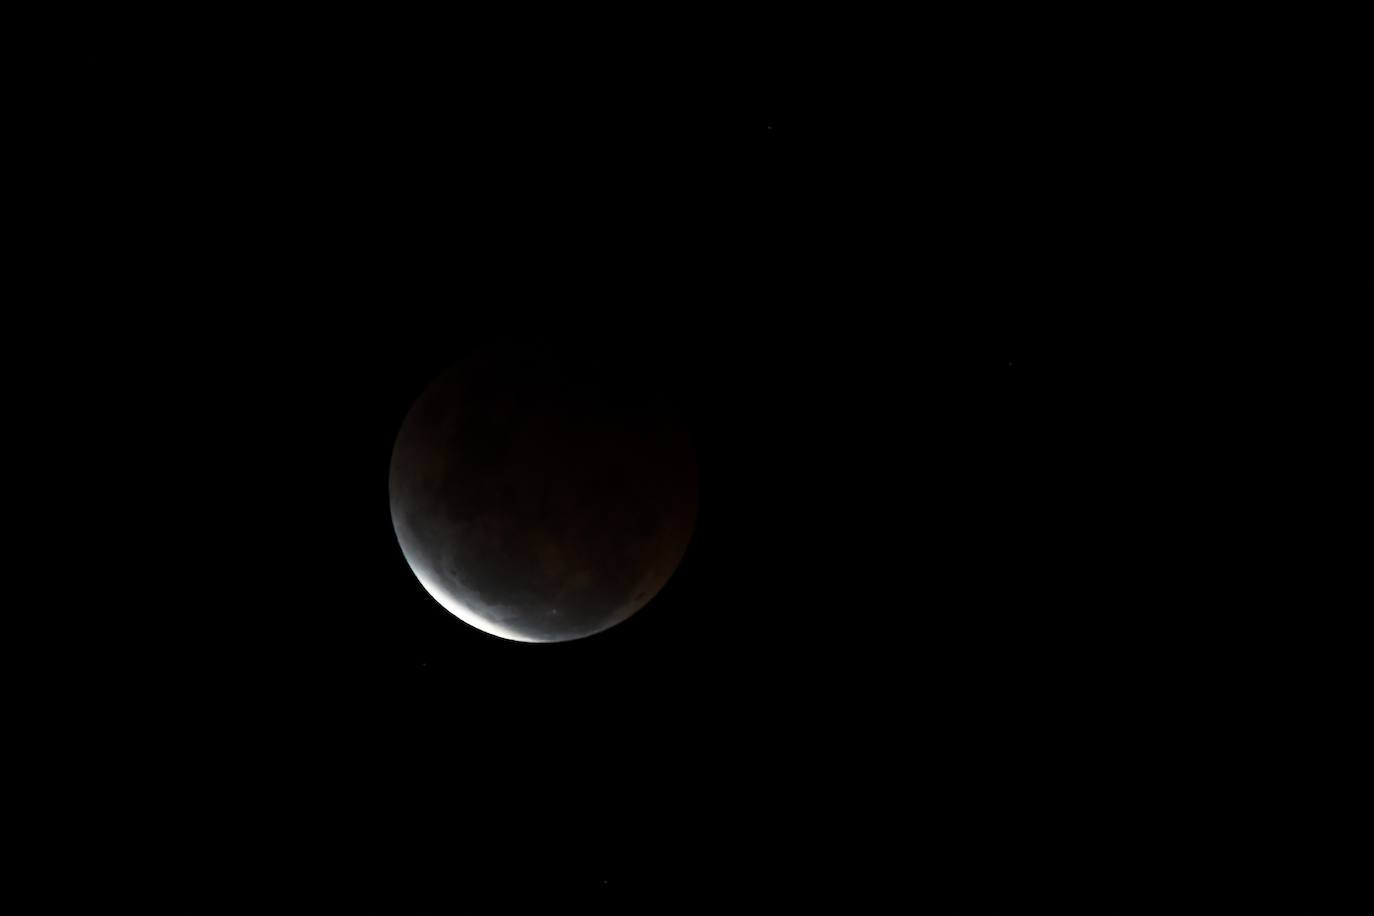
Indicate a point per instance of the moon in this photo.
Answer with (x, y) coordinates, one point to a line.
(541, 497)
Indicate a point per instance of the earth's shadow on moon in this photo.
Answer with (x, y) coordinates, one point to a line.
(544, 495)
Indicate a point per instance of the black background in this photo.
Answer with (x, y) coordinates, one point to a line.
(871, 620)
(884, 660)
(990, 577)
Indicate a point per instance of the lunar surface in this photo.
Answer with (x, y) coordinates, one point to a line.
(542, 500)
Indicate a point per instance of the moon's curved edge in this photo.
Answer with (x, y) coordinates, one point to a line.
(462, 611)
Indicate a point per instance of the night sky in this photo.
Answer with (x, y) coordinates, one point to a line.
(871, 668)
(959, 336)
(860, 630)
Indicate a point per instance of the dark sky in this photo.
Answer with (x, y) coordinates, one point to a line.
(936, 642)
(871, 664)
(861, 620)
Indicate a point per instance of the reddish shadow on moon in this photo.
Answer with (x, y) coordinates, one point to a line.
(542, 498)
